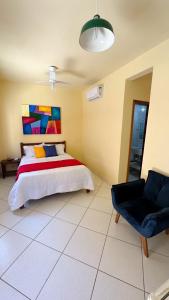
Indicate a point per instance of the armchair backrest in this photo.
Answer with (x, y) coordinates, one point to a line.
(155, 184)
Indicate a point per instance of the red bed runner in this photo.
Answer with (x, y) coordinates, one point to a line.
(47, 165)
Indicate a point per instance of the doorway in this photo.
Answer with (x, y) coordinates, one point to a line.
(137, 139)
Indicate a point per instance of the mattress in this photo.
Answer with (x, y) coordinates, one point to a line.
(38, 184)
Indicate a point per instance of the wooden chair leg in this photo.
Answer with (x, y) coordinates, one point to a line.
(145, 246)
(167, 231)
(117, 218)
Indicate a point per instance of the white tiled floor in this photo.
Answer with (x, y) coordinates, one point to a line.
(32, 224)
(3, 230)
(104, 205)
(50, 206)
(71, 213)
(96, 220)
(30, 271)
(11, 245)
(8, 293)
(108, 287)
(57, 241)
(67, 247)
(123, 232)
(117, 258)
(86, 246)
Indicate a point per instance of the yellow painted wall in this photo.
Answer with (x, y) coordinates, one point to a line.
(103, 119)
(102, 124)
(94, 130)
(12, 95)
(138, 89)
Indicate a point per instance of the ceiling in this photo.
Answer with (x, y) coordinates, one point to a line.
(37, 33)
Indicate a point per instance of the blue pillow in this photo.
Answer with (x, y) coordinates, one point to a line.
(50, 150)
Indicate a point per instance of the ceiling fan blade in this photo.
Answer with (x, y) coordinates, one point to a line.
(47, 83)
(62, 82)
(52, 78)
(72, 73)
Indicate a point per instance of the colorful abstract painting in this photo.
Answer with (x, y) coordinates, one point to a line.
(37, 119)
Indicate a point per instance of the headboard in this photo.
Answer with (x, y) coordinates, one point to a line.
(32, 144)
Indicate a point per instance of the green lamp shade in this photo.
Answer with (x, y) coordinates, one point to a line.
(96, 35)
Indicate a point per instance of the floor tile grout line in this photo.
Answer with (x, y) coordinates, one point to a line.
(143, 270)
(136, 287)
(132, 245)
(34, 209)
(102, 211)
(57, 250)
(48, 276)
(61, 254)
(101, 257)
(15, 289)
(64, 220)
(50, 247)
(17, 221)
(66, 203)
(92, 230)
(16, 259)
(52, 217)
(32, 240)
(55, 217)
(80, 261)
(77, 223)
(8, 229)
(129, 243)
(46, 214)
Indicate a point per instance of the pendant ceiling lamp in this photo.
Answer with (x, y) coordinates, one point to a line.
(97, 34)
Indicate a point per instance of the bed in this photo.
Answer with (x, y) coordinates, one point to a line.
(37, 184)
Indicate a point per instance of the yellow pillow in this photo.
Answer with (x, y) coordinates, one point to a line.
(39, 152)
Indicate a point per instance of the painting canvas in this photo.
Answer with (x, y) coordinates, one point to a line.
(37, 119)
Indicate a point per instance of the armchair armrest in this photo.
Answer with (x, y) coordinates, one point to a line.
(157, 216)
(156, 222)
(127, 191)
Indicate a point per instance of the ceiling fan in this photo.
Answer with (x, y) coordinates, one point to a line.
(52, 80)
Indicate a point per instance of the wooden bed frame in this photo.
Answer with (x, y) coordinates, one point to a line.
(33, 144)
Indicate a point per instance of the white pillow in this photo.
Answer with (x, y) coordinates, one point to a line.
(60, 149)
(29, 150)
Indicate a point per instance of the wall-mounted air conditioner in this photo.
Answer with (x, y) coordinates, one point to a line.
(95, 93)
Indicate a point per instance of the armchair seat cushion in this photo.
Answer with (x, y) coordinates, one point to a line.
(139, 208)
(144, 216)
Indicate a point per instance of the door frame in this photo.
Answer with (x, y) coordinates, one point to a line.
(139, 102)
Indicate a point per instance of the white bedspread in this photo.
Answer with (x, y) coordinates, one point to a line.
(38, 184)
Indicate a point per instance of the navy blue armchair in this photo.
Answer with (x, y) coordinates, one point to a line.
(145, 205)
